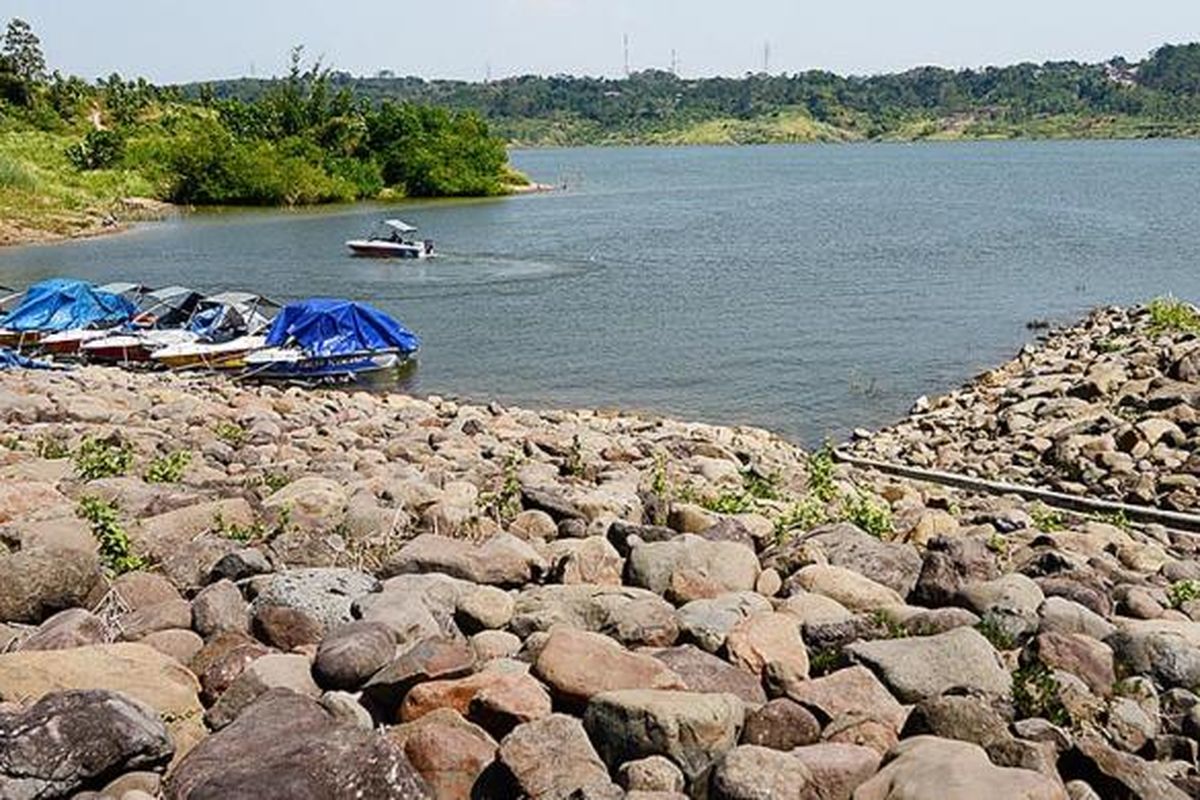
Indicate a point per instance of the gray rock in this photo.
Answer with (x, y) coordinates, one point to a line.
(707, 622)
(69, 739)
(629, 615)
(257, 756)
(219, 607)
(74, 627)
(1061, 615)
(549, 759)
(326, 594)
(239, 565)
(703, 672)
(927, 666)
(781, 724)
(693, 730)
(36, 583)
(503, 560)
(350, 654)
(893, 564)
(274, 671)
(689, 567)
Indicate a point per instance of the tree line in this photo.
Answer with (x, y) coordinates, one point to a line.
(1164, 87)
(302, 140)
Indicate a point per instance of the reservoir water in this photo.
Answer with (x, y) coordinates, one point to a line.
(807, 289)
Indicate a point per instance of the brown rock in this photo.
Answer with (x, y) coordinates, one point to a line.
(703, 672)
(287, 628)
(427, 660)
(179, 644)
(158, 617)
(838, 769)
(37, 583)
(449, 752)
(750, 772)
(137, 590)
(854, 690)
(765, 640)
(495, 700)
(781, 724)
(1080, 655)
(220, 607)
(577, 664)
(74, 627)
(551, 758)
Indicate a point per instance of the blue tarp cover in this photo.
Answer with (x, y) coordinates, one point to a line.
(61, 304)
(326, 327)
(12, 360)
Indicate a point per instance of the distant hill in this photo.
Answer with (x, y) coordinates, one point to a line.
(1158, 96)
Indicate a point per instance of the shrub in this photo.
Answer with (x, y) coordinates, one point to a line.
(802, 516)
(97, 458)
(100, 149)
(115, 549)
(230, 433)
(729, 503)
(168, 468)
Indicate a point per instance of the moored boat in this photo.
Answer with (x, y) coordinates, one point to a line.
(218, 318)
(67, 343)
(226, 346)
(388, 241)
(61, 304)
(326, 340)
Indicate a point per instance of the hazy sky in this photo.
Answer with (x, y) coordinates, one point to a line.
(175, 41)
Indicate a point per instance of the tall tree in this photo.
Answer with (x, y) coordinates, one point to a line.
(23, 51)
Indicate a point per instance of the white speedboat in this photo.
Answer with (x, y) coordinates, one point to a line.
(388, 241)
(68, 342)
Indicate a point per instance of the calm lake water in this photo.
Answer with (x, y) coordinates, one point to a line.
(808, 289)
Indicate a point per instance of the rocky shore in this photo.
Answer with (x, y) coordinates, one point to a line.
(218, 591)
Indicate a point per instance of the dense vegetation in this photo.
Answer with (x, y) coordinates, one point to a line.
(70, 149)
(1159, 96)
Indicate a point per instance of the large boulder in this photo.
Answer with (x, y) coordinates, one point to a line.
(286, 745)
(837, 768)
(311, 502)
(75, 627)
(325, 593)
(136, 670)
(74, 740)
(503, 560)
(893, 564)
(854, 591)
(854, 691)
(629, 615)
(693, 730)
(273, 671)
(36, 583)
(690, 567)
(924, 766)
(495, 700)
(550, 759)
(927, 666)
(435, 658)
(578, 664)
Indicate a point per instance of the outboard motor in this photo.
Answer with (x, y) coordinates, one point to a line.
(428, 246)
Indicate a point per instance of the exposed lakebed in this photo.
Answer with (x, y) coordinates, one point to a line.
(809, 290)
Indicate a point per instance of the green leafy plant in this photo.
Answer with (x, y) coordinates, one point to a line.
(820, 474)
(115, 549)
(997, 544)
(803, 515)
(996, 634)
(1035, 694)
(868, 514)
(274, 481)
(892, 628)
(99, 458)
(1182, 592)
(168, 468)
(1171, 315)
(230, 433)
(759, 486)
(729, 503)
(825, 660)
(1046, 519)
(100, 149)
(253, 532)
(574, 462)
(504, 504)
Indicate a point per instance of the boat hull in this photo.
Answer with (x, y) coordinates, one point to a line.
(327, 370)
(21, 341)
(69, 343)
(369, 249)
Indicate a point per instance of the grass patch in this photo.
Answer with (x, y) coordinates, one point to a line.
(1046, 519)
(1183, 592)
(995, 633)
(168, 468)
(873, 517)
(98, 458)
(115, 549)
(1171, 315)
(803, 515)
(230, 433)
(1035, 694)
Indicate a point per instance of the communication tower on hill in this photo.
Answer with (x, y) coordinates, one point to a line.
(627, 55)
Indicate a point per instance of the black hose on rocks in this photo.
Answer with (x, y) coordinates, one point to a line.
(1144, 514)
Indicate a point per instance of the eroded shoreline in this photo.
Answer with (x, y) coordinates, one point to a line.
(422, 597)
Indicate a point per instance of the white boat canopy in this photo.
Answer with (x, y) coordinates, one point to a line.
(400, 226)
